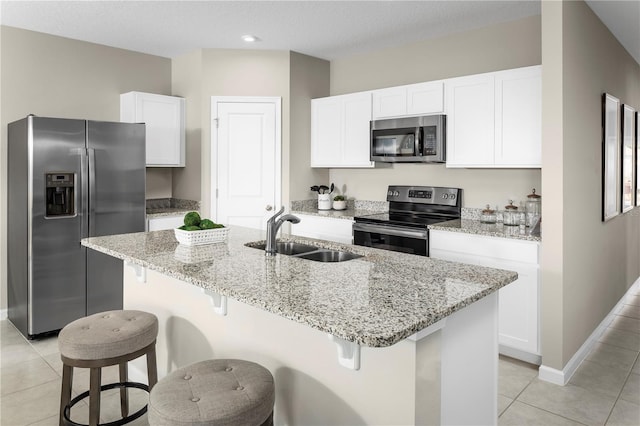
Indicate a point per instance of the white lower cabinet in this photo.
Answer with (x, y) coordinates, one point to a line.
(164, 222)
(324, 228)
(518, 301)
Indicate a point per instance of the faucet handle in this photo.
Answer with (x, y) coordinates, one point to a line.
(273, 218)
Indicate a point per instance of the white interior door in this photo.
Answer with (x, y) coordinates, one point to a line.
(246, 167)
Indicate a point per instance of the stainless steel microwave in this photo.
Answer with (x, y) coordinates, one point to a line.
(409, 139)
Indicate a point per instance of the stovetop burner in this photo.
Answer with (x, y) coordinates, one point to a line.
(400, 219)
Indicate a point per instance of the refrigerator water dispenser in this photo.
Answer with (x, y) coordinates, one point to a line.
(60, 196)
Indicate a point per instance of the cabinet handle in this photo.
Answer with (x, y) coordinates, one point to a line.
(269, 207)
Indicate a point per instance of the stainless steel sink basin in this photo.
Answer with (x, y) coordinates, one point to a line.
(304, 251)
(287, 247)
(329, 256)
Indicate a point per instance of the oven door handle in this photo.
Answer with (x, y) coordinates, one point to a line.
(387, 230)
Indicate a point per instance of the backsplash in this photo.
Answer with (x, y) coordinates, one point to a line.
(302, 205)
(172, 203)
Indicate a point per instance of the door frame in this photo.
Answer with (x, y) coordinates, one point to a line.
(277, 101)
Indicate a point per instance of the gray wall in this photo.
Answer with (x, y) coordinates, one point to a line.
(587, 265)
(186, 81)
(294, 77)
(309, 79)
(509, 45)
(53, 76)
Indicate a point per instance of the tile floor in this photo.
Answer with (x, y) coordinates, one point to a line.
(605, 390)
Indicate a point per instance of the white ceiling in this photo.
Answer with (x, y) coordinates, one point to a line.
(325, 29)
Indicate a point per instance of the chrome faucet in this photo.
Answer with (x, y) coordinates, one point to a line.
(273, 226)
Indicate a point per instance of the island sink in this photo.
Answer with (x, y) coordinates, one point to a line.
(329, 256)
(305, 251)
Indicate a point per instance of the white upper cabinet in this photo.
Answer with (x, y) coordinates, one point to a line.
(413, 99)
(340, 131)
(519, 117)
(494, 119)
(165, 128)
(470, 121)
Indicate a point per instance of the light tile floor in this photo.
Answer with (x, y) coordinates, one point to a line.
(605, 390)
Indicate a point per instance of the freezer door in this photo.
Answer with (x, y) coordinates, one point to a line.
(57, 290)
(116, 153)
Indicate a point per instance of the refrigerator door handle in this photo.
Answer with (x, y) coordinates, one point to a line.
(83, 213)
(92, 191)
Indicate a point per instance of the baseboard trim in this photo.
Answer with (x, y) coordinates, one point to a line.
(562, 377)
(521, 355)
(4, 314)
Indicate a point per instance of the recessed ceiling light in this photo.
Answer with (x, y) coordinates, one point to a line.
(250, 38)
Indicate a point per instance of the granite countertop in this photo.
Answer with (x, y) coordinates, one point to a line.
(476, 227)
(354, 208)
(377, 300)
(164, 207)
(348, 214)
(165, 212)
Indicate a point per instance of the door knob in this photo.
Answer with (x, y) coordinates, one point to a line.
(269, 207)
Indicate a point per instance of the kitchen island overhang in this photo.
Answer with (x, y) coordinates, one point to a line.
(379, 301)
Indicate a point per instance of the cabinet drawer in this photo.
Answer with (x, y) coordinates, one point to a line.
(483, 246)
(165, 222)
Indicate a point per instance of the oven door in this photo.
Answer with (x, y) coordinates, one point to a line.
(395, 238)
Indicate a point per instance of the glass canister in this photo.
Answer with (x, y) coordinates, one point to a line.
(488, 215)
(533, 208)
(511, 215)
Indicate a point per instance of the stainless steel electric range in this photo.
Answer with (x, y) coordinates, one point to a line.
(411, 210)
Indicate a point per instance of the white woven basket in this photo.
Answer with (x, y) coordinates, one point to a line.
(206, 236)
(202, 253)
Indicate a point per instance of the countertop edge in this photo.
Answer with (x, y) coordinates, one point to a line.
(370, 340)
(475, 227)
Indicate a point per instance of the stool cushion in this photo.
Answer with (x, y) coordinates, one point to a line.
(213, 392)
(108, 334)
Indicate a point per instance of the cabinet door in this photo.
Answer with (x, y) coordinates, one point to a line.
(326, 132)
(164, 120)
(356, 140)
(388, 103)
(413, 99)
(324, 228)
(470, 121)
(425, 98)
(165, 222)
(518, 316)
(519, 117)
(340, 131)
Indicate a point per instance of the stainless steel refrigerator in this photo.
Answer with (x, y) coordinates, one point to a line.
(69, 179)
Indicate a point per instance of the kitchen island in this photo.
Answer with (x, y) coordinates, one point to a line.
(412, 340)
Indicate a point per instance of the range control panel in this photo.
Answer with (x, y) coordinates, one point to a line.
(424, 195)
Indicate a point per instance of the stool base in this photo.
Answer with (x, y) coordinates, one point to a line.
(67, 409)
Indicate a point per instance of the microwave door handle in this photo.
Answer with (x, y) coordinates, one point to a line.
(417, 149)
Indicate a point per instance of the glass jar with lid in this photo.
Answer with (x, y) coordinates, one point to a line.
(488, 215)
(511, 215)
(533, 208)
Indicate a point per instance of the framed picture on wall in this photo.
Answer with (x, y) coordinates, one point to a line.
(628, 157)
(637, 158)
(610, 157)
